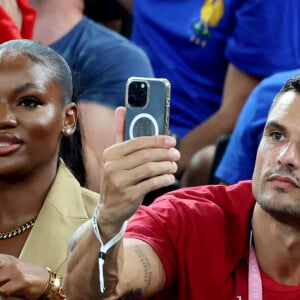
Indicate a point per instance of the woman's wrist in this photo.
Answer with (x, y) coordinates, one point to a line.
(54, 288)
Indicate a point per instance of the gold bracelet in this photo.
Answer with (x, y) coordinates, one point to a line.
(54, 288)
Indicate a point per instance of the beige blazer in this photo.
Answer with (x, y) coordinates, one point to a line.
(66, 207)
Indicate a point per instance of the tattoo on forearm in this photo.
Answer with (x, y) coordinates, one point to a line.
(73, 241)
(72, 244)
(146, 265)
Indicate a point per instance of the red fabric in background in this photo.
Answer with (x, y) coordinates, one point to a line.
(9, 30)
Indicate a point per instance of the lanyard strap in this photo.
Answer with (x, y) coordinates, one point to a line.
(254, 279)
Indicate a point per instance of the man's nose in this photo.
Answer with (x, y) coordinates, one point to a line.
(290, 155)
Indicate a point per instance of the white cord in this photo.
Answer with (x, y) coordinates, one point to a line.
(105, 247)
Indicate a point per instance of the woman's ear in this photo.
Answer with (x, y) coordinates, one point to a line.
(70, 117)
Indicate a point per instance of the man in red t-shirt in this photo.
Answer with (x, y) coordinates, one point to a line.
(210, 242)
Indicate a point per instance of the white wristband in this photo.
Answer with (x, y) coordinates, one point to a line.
(105, 247)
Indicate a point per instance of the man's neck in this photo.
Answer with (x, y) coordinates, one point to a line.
(277, 247)
(55, 19)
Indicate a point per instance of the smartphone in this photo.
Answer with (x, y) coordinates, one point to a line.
(147, 102)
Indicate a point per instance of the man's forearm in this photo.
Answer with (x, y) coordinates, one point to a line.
(82, 277)
(132, 269)
(237, 87)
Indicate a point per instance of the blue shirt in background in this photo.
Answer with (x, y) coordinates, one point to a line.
(191, 43)
(101, 61)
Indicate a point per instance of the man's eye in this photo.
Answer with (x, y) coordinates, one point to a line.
(30, 102)
(276, 136)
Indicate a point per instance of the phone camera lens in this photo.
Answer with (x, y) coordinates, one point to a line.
(142, 94)
(137, 94)
(132, 100)
(133, 87)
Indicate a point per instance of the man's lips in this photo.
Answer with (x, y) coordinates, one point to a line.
(9, 144)
(284, 182)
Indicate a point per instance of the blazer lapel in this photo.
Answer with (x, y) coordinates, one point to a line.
(61, 214)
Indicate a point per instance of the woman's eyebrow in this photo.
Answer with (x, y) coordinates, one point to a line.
(25, 87)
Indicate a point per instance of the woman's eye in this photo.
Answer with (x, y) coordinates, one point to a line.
(276, 136)
(30, 102)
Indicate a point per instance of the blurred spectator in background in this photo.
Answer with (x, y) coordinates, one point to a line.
(111, 14)
(16, 20)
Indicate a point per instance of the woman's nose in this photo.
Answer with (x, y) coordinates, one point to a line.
(7, 118)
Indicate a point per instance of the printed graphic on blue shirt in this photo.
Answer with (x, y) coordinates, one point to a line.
(210, 15)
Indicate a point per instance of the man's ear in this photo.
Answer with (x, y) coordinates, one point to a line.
(70, 117)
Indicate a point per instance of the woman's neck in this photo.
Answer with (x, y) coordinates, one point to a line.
(22, 199)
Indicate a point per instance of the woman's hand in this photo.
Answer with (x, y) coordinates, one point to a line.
(21, 279)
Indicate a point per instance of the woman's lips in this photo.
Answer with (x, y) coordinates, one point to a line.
(9, 144)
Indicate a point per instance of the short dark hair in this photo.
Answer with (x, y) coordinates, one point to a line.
(292, 84)
(57, 67)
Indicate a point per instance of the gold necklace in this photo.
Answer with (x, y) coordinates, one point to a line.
(18, 230)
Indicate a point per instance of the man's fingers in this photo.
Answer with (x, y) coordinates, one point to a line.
(121, 180)
(132, 146)
(119, 123)
(143, 158)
